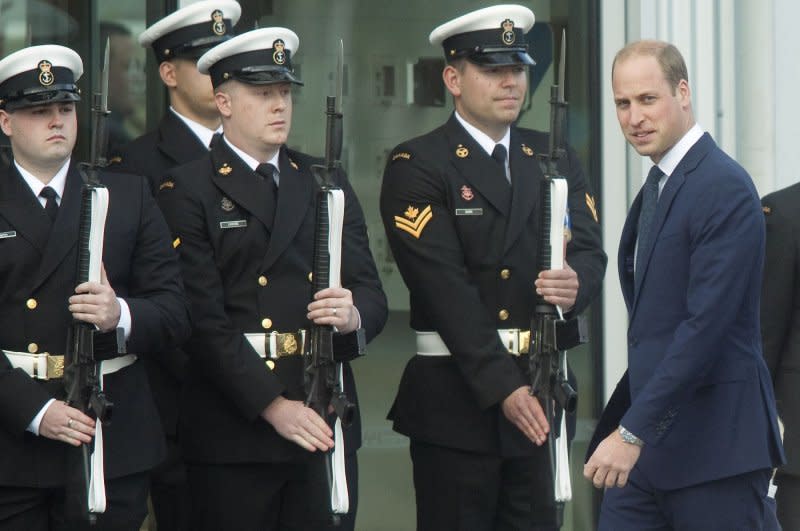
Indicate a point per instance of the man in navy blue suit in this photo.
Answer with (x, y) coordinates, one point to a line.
(690, 435)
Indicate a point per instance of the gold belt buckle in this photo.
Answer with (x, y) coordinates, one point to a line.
(289, 343)
(524, 341)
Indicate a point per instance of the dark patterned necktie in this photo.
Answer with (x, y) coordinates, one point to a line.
(51, 206)
(646, 215)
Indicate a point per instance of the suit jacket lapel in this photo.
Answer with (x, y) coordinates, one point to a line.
(625, 254)
(526, 178)
(22, 209)
(64, 235)
(294, 197)
(177, 141)
(477, 167)
(240, 183)
(684, 168)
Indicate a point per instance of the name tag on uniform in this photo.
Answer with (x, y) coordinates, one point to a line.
(238, 224)
(469, 212)
(8, 234)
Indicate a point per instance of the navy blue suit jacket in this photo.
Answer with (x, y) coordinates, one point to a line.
(697, 390)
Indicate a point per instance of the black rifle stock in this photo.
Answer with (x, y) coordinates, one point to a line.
(81, 378)
(324, 393)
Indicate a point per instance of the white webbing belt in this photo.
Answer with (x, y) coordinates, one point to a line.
(39, 365)
(514, 339)
(272, 345)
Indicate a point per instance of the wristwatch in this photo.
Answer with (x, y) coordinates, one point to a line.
(630, 438)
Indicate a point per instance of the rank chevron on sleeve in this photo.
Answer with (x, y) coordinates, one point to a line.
(416, 224)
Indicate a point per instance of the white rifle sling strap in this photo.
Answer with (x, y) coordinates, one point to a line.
(97, 483)
(340, 498)
(559, 225)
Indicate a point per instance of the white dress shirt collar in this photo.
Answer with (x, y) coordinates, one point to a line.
(203, 133)
(57, 183)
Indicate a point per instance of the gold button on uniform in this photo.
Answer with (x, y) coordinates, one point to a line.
(31, 304)
(33, 348)
(311, 277)
(271, 364)
(262, 280)
(266, 324)
(505, 274)
(503, 315)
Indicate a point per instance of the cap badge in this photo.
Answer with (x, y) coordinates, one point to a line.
(508, 32)
(46, 77)
(527, 150)
(466, 193)
(413, 221)
(224, 169)
(218, 27)
(461, 151)
(279, 56)
(226, 204)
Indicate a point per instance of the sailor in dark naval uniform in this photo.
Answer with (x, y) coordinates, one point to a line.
(140, 292)
(243, 223)
(183, 135)
(186, 130)
(461, 207)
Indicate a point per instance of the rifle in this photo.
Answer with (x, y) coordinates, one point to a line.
(322, 375)
(81, 375)
(548, 357)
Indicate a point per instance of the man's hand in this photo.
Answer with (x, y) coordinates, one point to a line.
(96, 303)
(299, 424)
(334, 307)
(525, 412)
(611, 462)
(66, 424)
(559, 286)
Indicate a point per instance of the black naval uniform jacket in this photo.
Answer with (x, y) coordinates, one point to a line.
(39, 265)
(254, 277)
(780, 314)
(465, 243)
(153, 155)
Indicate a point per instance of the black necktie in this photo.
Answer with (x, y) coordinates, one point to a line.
(267, 171)
(646, 214)
(499, 154)
(51, 206)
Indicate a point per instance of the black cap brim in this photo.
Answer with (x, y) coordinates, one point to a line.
(266, 76)
(41, 97)
(501, 58)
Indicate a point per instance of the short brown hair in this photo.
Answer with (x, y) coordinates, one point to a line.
(669, 59)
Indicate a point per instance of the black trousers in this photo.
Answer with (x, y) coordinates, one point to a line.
(267, 496)
(788, 500)
(35, 509)
(464, 491)
(169, 491)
